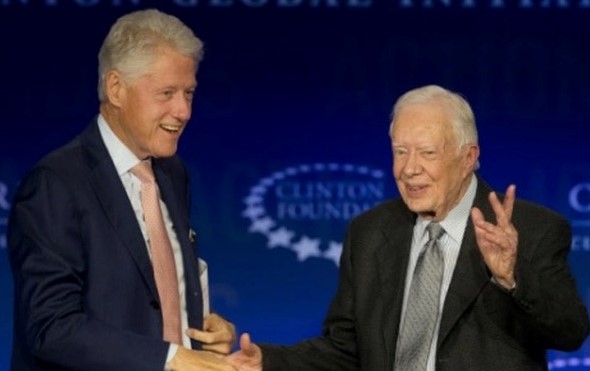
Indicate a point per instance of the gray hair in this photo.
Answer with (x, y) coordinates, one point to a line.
(463, 121)
(134, 39)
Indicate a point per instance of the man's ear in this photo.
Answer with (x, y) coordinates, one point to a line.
(114, 88)
(471, 157)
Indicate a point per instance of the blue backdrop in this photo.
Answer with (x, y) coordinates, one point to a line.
(289, 134)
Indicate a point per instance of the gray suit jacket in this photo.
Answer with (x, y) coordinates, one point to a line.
(482, 327)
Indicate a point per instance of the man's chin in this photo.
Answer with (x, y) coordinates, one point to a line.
(421, 210)
(163, 153)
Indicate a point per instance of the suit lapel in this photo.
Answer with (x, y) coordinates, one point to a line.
(178, 212)
(167, 192)
(470, 275)
(392, 261)
(115, 203)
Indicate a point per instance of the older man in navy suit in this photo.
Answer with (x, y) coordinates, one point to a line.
(504, 293)
(86, 293)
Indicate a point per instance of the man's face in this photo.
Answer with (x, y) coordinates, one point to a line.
(155, 107)
(430, 171)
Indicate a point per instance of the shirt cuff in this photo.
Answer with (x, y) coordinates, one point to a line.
(505, 289)
(171, 353)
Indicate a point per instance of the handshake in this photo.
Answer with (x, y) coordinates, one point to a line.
(217, 337)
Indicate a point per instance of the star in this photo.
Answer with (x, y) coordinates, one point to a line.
(278, 175)
(348, 168)
(253, 212)
(333, 167)
(280, 237)
(334, 252)
(262, 225)
(377, 174)
(306, 247)
(252, 200)
(362, 170)
(258, 189)
(267, 181)
(304, 168)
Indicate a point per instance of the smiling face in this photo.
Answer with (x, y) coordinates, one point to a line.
(431, 172)
(149, 113)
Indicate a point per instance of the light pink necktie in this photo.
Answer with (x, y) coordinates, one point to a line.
(162, 255)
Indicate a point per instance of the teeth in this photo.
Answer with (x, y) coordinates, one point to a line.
(170, 127)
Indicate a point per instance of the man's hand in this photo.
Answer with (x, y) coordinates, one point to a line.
(218, 335)
(498, 243)
(195, 360)
(248, 358)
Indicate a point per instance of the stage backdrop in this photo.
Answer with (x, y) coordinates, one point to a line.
(289, 134)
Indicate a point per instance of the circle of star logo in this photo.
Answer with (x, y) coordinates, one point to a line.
(302, 245)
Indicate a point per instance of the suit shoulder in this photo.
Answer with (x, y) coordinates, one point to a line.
(383, 212)
(63, 161)
(524, 209)
(63, 156)
(69, 165)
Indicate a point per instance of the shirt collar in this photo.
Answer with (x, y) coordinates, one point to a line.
(122, 156)
(454, 223)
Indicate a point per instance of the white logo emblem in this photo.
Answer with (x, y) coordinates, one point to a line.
(305, 208)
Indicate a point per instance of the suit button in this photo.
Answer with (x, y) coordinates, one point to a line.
(526, 305)
(154, 304)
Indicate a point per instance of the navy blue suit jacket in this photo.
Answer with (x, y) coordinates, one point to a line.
(85, 295)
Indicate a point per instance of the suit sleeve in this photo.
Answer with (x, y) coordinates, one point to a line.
(336, 349)
(546, 308)
(49, 262)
